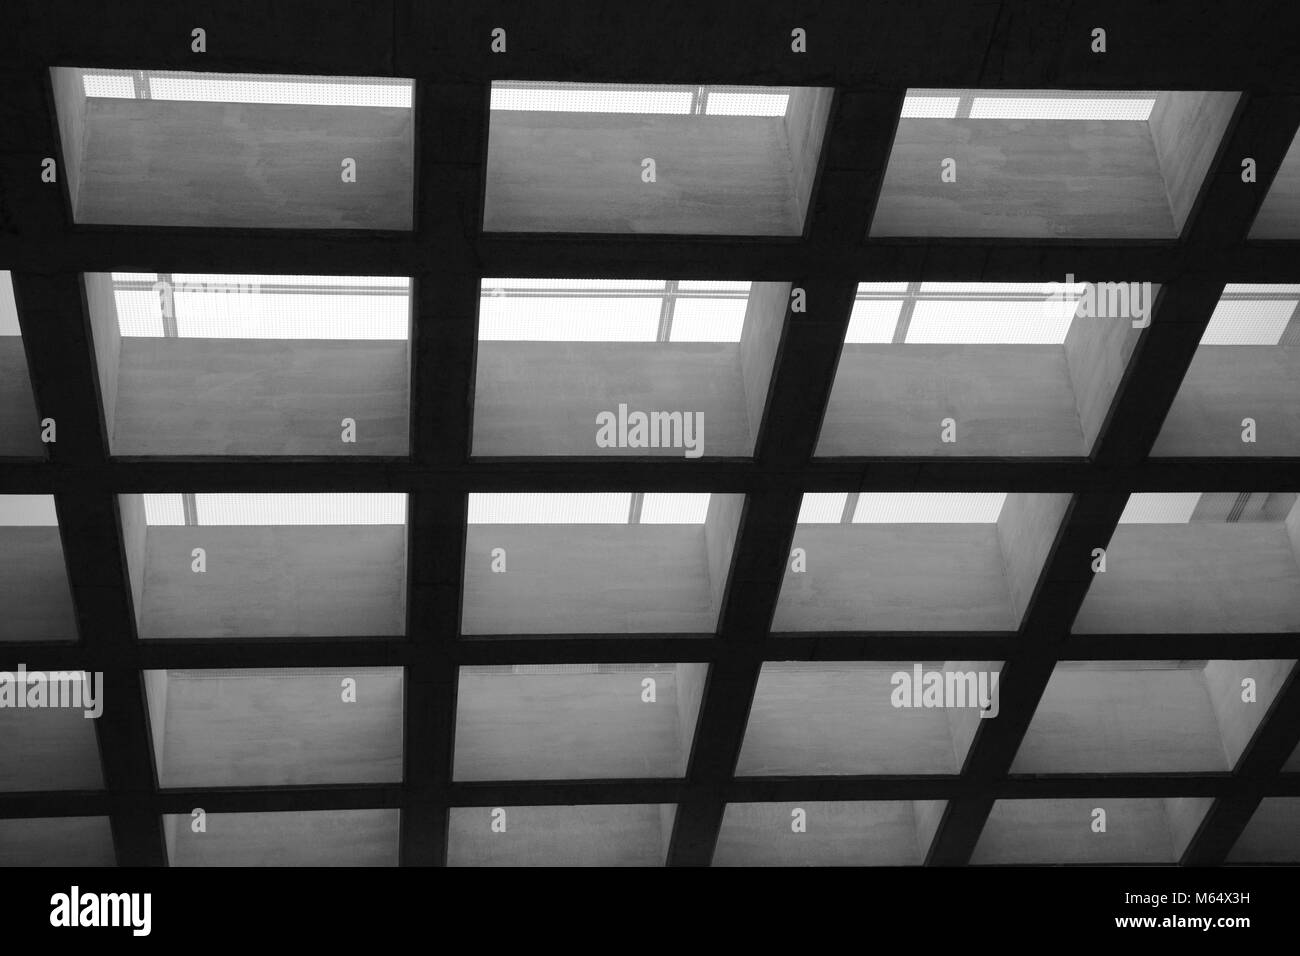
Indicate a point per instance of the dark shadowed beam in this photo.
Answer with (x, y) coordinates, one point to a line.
(53, 316)
(449, 160)
(855, 152)
(1224, 210)
(1257, 773)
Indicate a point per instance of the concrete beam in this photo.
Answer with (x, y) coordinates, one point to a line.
(307, 838)
(622, 835)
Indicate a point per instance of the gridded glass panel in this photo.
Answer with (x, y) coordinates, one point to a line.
(267, 565)
(566, 721)
(622, 367)
(816, 833)
(1049, 164)
(597, 563)
(276, 726)
(219, 364)
(982, 368)
(57, 841)
(35, 599)
(623, 835)
(289, 838)
(568, 157)
(1223, 564)
(915, 562)
(1238, 398)
(820, 718)
(199, 130)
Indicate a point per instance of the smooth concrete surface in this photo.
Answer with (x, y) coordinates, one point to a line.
(570, 722)
(1005, 399)
(837, 718)
(543, 398)
(20, 424)
(1226, 384)
(623, 835)
(279, 727)
(838, 833)
(184, 163)
(261, 397)
(1027, 832)
(273, 581)
(57, 841)
(1199, 577)
(1186, 129)
(49, 748)
(35, 600)
(721, 528)
(582, 579)
(1279, 215)
(1097, 351)
(715, 175)
(1272, 835)
(1027, 527)
(1239, 719)
(299, 838)
(898, 577)
(1093, 720)
(101, 305)
(760, 339)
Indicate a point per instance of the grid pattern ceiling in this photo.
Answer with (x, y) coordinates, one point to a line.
(443, 488)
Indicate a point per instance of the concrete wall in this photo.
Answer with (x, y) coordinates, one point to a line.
(1092, 720)
(1195, 578)
(837, 718)
(1238, 719)
(721, 526)
(70, 104)
(584, 579)
(108, 345)
(261, 397)
(839, 833)
(1027, 832)
(1027, 527)
(50, 748)
(899, 577)
(759, 340)
(35, 600)
(1006, 400)
(1097, 351)
(180, 163)
(309, 581)
(581, 172)
(1186, 128)
(624, 835)
(1279, 216)
(542, 398)
(1273, 834)
(299, 838)
(20, 429)
(1225, 384)
(691, 679)
(282, 727)
(57, 841)
(1012, 176)
(135, 537)
(805, 126)
(557, 725)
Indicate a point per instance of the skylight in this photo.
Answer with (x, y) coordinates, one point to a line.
(597, 310)
(902, 508)
(1160, 507)
(277, 509)
(220, 306)
(27, 511)
(8, 306)
(541, 97)
(1252, 315)
(987, 313)
(586, 508)
(248, 88)
(1028, 105)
